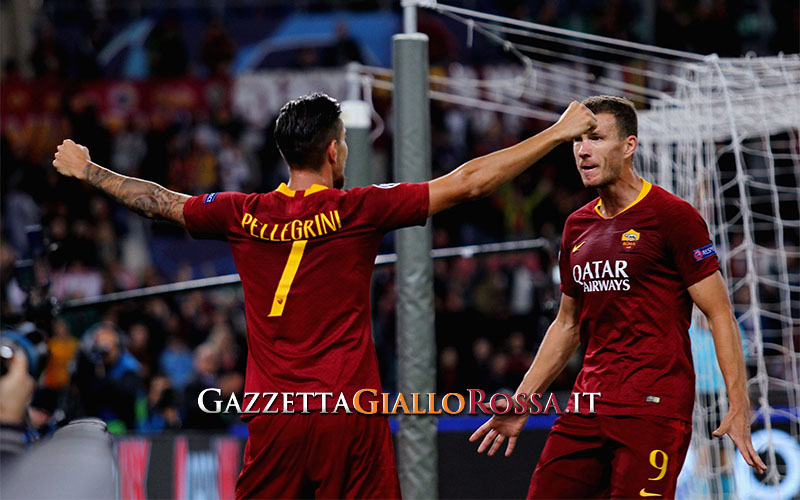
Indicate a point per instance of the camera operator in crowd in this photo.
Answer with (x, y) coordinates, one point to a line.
(75, 462)
(109, 380)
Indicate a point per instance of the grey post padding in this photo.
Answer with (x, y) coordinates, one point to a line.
(359, 169)
(356, 115)
(416, 343)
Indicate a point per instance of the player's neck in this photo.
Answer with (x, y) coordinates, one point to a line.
(302, 179)
(618, 195)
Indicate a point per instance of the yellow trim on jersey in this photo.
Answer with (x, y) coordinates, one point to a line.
(645, 189)
(284, 189)
(279, 302)
(315, 188)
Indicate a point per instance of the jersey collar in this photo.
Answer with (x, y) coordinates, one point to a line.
(645, 189)
(284, 189)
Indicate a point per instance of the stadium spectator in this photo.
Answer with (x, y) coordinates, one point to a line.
(234, 172)
(48, 57)
(449, 372)
(63, 348)
(176, 361)
(205, 376)
(109, 379)
(129, 148)
(218, 49)
(671, 25)
(226, 345)
(499, 381)
(345, 49)
(163, 406)
(519, 358)
(140, 348)
(167, 51)
(481, 371)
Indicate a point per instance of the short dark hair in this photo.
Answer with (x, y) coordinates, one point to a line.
(305, 127)
(623, 110)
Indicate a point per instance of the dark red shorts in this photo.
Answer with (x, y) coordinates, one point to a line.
(594, 456)
(314, 455)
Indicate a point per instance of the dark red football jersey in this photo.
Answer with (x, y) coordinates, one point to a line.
(630, 275)
(305, 259)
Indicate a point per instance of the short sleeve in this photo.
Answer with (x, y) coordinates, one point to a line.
(568, 285)
(210, 216)
(391, 206)
(688, 240)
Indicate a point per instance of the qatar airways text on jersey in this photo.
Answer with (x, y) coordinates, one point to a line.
(602, 276)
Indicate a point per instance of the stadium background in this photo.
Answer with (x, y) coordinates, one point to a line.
(178, 93)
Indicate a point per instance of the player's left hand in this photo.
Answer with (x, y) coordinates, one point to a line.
(736, 424)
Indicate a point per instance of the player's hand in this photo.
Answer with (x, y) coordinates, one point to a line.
(575, 121)
(498, 428)
(71, 159)
(736, 424)
(16, 389)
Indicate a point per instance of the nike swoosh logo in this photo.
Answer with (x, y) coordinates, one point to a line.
(643, 493)
(576, 247)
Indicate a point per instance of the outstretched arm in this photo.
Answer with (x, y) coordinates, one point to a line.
(143, 197)
(481, 176)
(557, 347)
(711, 296)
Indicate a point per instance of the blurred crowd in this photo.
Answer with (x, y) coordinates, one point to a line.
(141, 364)
(203, 39)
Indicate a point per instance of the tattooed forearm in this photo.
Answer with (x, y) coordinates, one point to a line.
(143, 197)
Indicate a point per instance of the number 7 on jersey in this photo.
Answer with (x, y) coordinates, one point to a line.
(285, 284)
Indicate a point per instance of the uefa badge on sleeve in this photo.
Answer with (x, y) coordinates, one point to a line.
(703, 252)
(630, 239)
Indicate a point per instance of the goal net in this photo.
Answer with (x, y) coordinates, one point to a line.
(722, 134)
(727, 141)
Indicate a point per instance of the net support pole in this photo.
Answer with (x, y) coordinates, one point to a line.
(410, 18)
(416, 343)
(357, 117)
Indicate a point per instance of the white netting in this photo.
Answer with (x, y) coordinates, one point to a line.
(727, 140)
(722, 134)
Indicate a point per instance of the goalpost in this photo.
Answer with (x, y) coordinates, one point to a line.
(724, 135)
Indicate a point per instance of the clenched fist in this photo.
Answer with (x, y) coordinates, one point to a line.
(575, 121)
(71, 159)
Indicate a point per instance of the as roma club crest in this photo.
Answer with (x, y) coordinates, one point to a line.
(630, 239)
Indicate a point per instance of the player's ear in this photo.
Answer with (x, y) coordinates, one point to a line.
(631, 142)
(331, 152)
